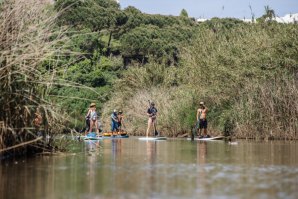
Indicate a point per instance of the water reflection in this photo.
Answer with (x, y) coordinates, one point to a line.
(92, 148)
(201, 153)
(151, 148)
(128, 168)
(201, 161)
(116, 148)
(151, 151)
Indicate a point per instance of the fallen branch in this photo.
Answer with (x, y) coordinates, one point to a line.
(19, 145)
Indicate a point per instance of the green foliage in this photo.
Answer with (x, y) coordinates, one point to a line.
(217, 24)
(93, 14)
(161, 43)
(227, 69)
(177, 63)
(137, 19)
(183, 13)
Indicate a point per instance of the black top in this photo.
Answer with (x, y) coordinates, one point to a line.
(152, 110)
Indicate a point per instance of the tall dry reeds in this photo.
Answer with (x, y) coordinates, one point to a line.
(28, 38)
(176, 103)
(249, 76)
(268, 109)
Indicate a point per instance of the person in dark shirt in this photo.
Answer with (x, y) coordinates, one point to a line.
(152, 113)
(114, 121)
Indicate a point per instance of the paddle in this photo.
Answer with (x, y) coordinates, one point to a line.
(194, 130)
(155, 131)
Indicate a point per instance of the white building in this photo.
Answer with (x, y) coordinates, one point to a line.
(289, 18)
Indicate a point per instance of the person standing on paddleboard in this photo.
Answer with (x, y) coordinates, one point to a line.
(120, 121)
(114, 121)
(87, 120)
(93, 118)
(152, 113)
(202, 120)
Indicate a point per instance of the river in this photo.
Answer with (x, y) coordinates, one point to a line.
(176, 168)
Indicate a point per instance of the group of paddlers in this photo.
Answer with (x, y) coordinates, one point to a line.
(92, 120)
(117, 121)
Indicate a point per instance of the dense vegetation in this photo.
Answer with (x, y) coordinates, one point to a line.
(93, 51)
(247, 73)
(26, 43)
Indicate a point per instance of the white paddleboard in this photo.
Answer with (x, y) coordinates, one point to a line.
(208, 139)
(152, 138)
(91, 138)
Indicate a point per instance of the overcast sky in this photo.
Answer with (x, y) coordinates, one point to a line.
(213, 8)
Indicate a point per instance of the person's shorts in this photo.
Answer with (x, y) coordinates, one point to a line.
(203, 124)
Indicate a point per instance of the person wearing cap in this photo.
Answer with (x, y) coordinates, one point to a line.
(114, 121)
(152, 113)
(92, 116)
(202, 120)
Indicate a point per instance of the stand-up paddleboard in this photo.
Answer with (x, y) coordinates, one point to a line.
(115, 135)
(90, 136)
(208, 139)
(94, 136)
(152, 138)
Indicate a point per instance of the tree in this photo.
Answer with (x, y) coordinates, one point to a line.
(269, 15)
(93, 14)
(96, 15)
(183, 13)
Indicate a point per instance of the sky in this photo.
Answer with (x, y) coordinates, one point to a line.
(214, 8)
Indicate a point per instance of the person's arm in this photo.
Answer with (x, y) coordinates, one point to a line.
(148, 112)
(122, 121)
(88, 113)
(198, 114)
(115, 119)
(155, 113)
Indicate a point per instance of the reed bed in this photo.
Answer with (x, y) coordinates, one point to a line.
(28, 39)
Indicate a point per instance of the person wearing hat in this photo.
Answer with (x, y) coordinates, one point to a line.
(92, 117)
(114, 121)
(152, 113)
(202, 120)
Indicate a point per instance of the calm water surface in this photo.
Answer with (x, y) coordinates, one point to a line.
(129, 168)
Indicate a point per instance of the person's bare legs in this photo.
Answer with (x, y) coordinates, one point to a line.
(96, 126)
(205, 132)
(91, 126)
(149, 126)
(154, 127)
